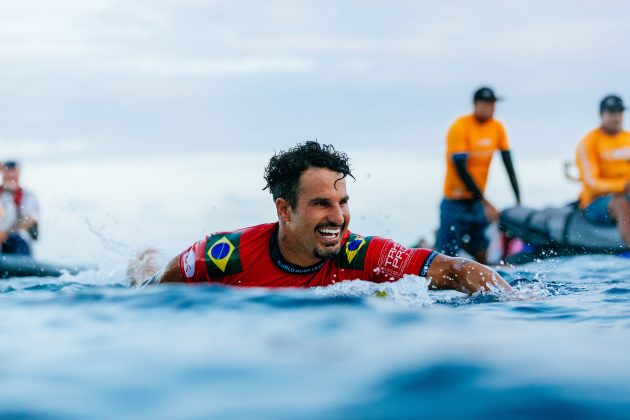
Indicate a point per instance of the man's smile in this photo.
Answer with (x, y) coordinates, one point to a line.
(330, 234)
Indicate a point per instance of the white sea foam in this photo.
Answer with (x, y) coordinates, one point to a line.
(409, 291)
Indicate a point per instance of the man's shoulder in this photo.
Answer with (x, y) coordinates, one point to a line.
(354, 251)
(463, 121)
(223, 250)
(25, 192)
(28, 193)
(592, 136)
(498, 123)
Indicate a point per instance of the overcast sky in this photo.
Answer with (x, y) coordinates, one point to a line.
(97, 78)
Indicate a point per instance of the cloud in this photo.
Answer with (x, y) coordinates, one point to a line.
(408, 41)
(168, 66)
(210, 72)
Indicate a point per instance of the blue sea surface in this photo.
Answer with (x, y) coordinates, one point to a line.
(91, 346)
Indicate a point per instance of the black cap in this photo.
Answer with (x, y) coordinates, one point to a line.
(485, 94)
(611, 103)
(10, 164)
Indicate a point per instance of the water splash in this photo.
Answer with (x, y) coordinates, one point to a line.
(108, 243)
(412, 291)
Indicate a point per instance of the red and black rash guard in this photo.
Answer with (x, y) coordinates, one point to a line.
(251, 257)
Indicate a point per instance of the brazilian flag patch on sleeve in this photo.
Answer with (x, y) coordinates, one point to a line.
(222, 256)
(353, 253)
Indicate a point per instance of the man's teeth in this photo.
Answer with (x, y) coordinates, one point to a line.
(329, 231)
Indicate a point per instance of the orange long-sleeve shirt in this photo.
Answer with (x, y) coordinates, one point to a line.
(604, 164)
(479, 141)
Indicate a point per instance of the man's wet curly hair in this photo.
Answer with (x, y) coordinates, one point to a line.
(285, 168)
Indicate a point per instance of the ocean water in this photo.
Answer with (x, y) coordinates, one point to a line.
(91, 346)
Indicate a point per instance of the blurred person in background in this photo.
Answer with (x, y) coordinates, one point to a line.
(465, 213)
(20, 213)
(603, 158)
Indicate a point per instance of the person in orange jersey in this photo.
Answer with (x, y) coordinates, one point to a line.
(465, 212)
(603, 158)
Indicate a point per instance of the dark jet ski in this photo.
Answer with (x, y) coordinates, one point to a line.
(26, 266)
(562, 231)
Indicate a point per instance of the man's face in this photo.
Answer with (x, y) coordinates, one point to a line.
(612, 122)
(484, 110)
(11, 177)
(320, 219)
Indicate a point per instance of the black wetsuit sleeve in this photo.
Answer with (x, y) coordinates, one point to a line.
(509, 167)
(460, 165)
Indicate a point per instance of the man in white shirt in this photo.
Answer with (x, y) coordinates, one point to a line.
(19, 215)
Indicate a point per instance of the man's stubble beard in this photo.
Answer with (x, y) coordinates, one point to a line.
(327, 254)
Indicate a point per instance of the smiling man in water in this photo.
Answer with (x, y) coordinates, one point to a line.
(311, 245)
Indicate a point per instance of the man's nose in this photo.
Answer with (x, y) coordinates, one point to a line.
(336, 215)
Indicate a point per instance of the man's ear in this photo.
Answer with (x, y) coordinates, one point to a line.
(283, 210)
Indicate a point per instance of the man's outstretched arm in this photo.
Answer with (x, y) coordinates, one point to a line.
(144, 270)
(464, 275)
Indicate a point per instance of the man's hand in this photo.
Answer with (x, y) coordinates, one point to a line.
(146, 264)
(492, 214)
(3, 236)
(464, 275)
(145, 270)
(26, 223)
